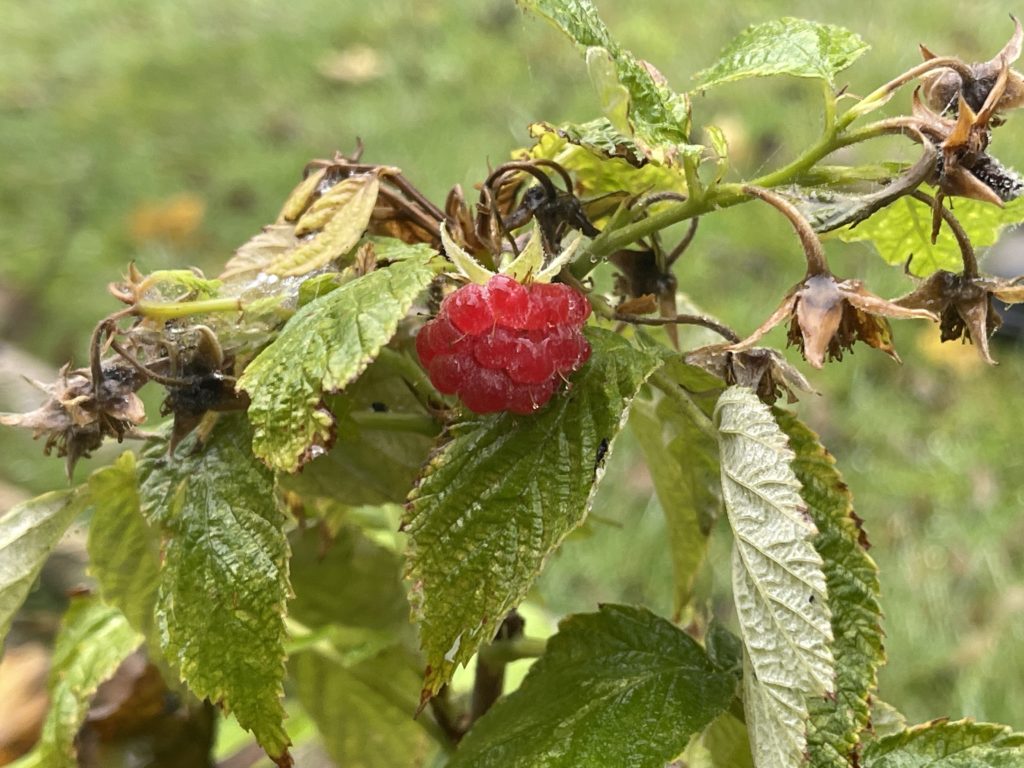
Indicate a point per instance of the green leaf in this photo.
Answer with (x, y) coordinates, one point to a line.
(501, 495)
(617, 687)
(124, 551)
(596, 168)
(323, 348)
(886, 720)
(221, 599)
(728, 743)
(786, 46)
(362, 688)
(941, 744)
(28, 533)
(93, 641)
(683, 464)
(852, 579)
(778, 583)
(364, 712)
(659, 117)
(903, 230)
(367, 466)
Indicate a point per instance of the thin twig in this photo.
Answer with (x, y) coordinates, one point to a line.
(683, 244)
(722, 330)
(962, 239)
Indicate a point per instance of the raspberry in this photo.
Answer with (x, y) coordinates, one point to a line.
(505, 346)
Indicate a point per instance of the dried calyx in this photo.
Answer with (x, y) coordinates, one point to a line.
(826, 315)
(963, 301)
(762, 369)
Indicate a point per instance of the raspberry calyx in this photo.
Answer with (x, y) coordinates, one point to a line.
(505, 346)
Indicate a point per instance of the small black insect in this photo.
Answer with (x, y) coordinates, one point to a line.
(602, 452)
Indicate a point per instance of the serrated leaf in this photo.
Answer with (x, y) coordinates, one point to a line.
(501, 495)
(260, 251)
(659, 117)
(852, 579)
(363, 688)
(225, 575)
(94, 639)
(300, 197)
(124, 551)
(617, 687)
(323, 348)
(942, 744)
(886, 720)
(339, 217)
(903, 229)
(785, 46)
(683, 463)
(778, 583)
(28, 533)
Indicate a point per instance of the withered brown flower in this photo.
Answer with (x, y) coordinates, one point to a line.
(78, 416)
(762, 369)
(827, 315)
(944, 86)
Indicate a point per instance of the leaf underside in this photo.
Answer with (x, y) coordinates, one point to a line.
(778, 585)
(942, 744)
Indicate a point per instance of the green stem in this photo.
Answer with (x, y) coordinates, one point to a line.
(413, 423)
(175, 309)
(681, 398)
(502, 652)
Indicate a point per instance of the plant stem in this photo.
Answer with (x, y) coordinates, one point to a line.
(675, 392)
(175, 309)
(490, 668)
(413, 423)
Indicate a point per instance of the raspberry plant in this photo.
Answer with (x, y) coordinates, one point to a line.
(372, 348)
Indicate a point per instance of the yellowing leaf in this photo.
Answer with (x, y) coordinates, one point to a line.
(341, 214)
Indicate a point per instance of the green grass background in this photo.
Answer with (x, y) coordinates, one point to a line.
(112, 107)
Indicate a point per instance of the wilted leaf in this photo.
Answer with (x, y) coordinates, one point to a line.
(124, 551)
(852, 579)
(778, 583)
(683, 463)
(941, 744)
(93, 641)
(903, 230)
(659, 117)
(501, 495)
(618, 687)
(261, 251)
(339, 217)
(785, 46)
(225, 576)
(28, 533)
(324, 347)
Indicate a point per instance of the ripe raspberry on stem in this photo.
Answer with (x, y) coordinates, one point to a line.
(505, 346)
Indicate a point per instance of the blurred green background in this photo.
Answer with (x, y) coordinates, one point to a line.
(169, 133)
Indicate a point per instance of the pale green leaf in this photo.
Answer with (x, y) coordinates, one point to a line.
(852, 579)
(778, 583)
(943, 744)
(225, 575)
(362, 687)
(323, 348)
(595, 169)
(124, 551)
(615, 688)
(683, 463)
(785, 46)
(367, 466)
(93, 641)
(902, 231)
(530, 260)
(338, 217)
(659, 117)
(727, 742)
(612, 94)
(886, 720)
(364, 712)
(501, 495)
(28, 533)
(465, 264)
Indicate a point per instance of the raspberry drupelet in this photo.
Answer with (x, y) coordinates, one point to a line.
(505, 346)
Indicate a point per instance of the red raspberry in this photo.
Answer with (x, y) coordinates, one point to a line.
(505, 346)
